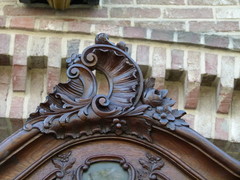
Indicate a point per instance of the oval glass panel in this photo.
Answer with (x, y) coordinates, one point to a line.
(105, 171)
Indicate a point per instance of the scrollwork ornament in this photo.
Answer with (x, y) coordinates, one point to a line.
(76, 109)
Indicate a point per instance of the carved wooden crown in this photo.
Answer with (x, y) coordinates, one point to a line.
(75, 108)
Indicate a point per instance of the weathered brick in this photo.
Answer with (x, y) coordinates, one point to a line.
(72, 46)
(162, 35)
(142, 58)
(188, 13)
(177, 56)
(193, 62)
(10, 10)
(16, 108)
(211, 61)
(204, 123)
(2, 21)
(78, 26)
(159, 59)
(4, 49)
(37, 58)
(192, 82)
(189, 118)
(54, 52)
(162, 2)
(162, 25)
(5, 77)
(189, 37)
(221, 129)
(173, 92)
(228, 13)
(226, 85)
(53, 77)
(36, 88)
(209, 26)
(192, 91)
(210, 2)
(108, 29)
(85, 12)
(22, 22)
(134, 32)
(216, 41)
(51, 25)
(19, 77)
(236, 44)
(20, 49)
(118, 1)
(135, 12)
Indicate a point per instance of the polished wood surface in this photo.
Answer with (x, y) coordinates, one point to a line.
(133, 126)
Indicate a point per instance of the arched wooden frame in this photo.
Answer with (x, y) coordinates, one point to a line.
(133, 121)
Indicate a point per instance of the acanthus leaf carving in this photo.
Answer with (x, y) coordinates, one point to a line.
(131, 107)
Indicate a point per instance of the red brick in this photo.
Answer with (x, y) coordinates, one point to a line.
(53, 78)
(20, 49)
(162, 25)
(221, 129)
(162, 35)
(19, 77)
(4, 49)
(162, 2)
(118, 2)
(22, 22)
(192, 91)
(189, 118)
(135, 12)
(173, 92)
(10, 10)
(211, 63)
(224, 99)
(108, 29)
(16, 108)
(134, 32)
(177, 59)
(216, 41)
(188, 13)
(211, 2)
(159, 66)
(2, 21)
(51, 25)
(95, 21)
(85, 12)
(220, 26)
(78, 26)
(142, 58)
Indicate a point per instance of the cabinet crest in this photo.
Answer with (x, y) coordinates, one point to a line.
(131, 107)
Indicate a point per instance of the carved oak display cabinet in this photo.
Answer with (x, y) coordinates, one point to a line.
(130, 133)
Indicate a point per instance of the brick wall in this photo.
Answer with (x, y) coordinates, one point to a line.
(208, 16)
(170, 40)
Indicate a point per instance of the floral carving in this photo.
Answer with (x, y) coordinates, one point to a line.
(132, 105)
(151, 168)
(63, 163)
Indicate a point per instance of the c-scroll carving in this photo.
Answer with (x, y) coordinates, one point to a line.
(132, 106)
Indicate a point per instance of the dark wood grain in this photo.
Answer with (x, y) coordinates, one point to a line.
(133, 125)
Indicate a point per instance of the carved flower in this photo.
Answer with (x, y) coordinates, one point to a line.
(169, 117)
(73, 59)
(119, 126)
